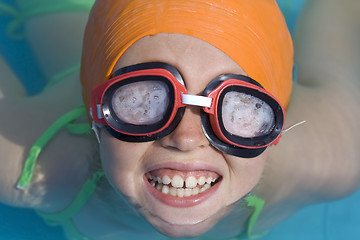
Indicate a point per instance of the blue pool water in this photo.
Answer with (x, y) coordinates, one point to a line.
(18, 54)
(339, 220)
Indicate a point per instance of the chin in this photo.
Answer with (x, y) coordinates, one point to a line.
(184, 218)
(183, 230)
(187, 231)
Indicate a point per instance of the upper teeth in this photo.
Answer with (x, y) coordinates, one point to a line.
(192, 184)
(178, 182)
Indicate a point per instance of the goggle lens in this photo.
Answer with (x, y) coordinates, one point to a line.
(141, 103)
(246, 116)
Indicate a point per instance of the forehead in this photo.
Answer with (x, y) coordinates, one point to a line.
(197, 61)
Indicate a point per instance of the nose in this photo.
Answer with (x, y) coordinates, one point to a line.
(188, 135)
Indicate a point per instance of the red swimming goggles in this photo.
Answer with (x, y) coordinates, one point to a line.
(145, 102)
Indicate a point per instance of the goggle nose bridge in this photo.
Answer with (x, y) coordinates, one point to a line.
(196, 100)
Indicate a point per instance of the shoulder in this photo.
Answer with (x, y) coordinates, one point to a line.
(321, 156)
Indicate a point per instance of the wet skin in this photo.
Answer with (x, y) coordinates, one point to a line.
(185, 152)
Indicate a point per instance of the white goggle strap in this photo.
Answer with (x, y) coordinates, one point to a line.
(95, 126)
(98, 112)
(196, 100)
(292, 126)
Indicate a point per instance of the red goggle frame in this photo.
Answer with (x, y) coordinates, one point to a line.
(103, 113)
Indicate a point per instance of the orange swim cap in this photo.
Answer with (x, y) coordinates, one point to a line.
(252, 32)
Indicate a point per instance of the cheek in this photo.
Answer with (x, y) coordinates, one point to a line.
(121, 162)
(245, 174)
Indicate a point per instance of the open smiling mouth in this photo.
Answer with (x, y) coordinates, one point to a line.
(182, 184)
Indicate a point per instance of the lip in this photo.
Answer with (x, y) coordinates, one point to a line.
(183, 202)
(179, 202)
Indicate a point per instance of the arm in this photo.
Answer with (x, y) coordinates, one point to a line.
(320, 160)
(63, 165)
(327, 52)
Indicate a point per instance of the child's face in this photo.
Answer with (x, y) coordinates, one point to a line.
(185, 152)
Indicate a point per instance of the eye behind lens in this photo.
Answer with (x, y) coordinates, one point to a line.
(141, 103)
(246, 116)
